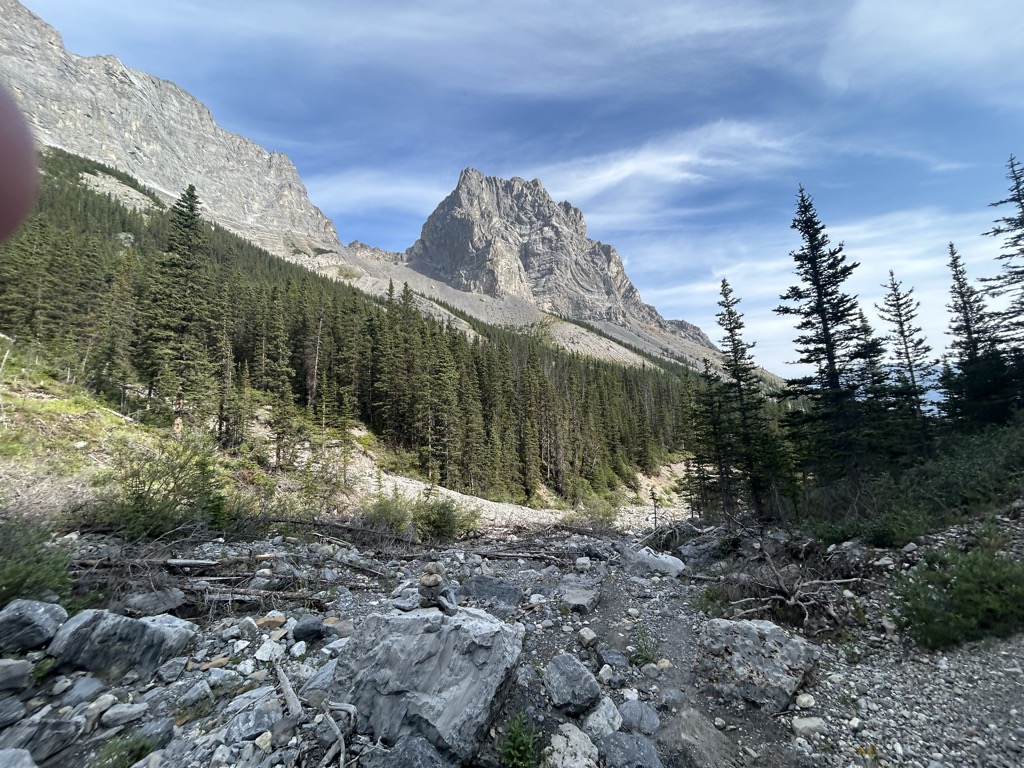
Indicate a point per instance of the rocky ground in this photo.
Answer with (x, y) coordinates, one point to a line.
(621, 663)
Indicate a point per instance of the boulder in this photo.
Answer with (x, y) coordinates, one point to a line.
(410, 752)
(428, 674)
(690, 740)
(570, 685)
(570, 748)
(497, 596)
(111, 645)
(11, 711)
(580, 594)
(754, 661)
(310, 629)
(16, 758)
(603, 720)
(646, 560)
(29, 624)
(44, 734)
(155, 603)
(628, 750)
(638, 717)
(14, 674)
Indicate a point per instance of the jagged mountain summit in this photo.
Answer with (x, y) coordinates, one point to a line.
(508, 238)
(99, 108)
(499, 250)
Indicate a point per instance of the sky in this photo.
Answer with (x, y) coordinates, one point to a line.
(681, 128)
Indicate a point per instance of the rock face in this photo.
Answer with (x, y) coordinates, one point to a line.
(151, 128)
(113, 645)
(425, 673)
(508, 238)
(755, 661)
(28, 624)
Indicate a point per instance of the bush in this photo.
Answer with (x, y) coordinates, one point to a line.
(955, 597)
(594, 513)
(442, 520)
(390, 514)
(519, 747)
(123, 752)
(32, 566)
(153, 491)
(427, 519)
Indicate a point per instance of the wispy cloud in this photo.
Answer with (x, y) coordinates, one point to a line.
(900, 47)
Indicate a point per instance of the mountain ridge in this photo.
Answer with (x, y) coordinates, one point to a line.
(539, 266)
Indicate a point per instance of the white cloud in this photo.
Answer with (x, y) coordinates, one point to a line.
(898, 46)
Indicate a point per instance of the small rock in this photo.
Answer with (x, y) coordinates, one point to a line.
(719, 723)
(804, 701)
(587, 637)
(570, 685)
(269, 651)
(805, 727)
(120, 714)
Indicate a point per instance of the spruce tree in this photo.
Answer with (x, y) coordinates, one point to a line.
(830, 340)
(1010, 280)
(913, 368)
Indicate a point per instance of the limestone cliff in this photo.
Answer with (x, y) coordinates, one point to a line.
(508, 238)
(101, 109)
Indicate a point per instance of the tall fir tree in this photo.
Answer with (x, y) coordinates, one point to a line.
(830, 340)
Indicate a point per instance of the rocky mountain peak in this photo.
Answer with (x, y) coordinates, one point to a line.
(509, 238)
(101, 109)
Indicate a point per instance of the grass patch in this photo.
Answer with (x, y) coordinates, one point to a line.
(32, 565)
(123, 751)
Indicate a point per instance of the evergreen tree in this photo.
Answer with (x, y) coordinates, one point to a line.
(913, 368)
(974, 379)
(830, 340)
(1010, 280)
(757, 450)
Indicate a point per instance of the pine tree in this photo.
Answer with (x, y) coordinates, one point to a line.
(913, 368)
(1010, 280)
(830, 340)
(974, 379)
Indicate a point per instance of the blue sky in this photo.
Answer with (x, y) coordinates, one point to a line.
(681, 129)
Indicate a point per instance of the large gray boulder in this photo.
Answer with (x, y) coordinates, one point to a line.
(16, 758)
(112, 645)
(754, 661)
(29, 624)
(428, 674)
(570, 685)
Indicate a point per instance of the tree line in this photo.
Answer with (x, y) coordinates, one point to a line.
(874, 405)
(172, 318)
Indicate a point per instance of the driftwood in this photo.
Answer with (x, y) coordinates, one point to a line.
(253, 596)
(290, 699)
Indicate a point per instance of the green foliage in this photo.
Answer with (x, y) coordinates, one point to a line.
(519, 748)
(594, 513)
(426, 519)
(712, 601)
(967, 476)
(442, 520)
(123, 751)
(955, 597)
(32, 565)
(644, 646)
(167, 488)
(389, 514)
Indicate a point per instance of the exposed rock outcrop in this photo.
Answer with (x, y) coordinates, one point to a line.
(508, 238)
(101, 109)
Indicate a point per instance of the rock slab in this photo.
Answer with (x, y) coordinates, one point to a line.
(424, 673)
(570, 685)
(111, 645)
(754, 661)
(29, 624)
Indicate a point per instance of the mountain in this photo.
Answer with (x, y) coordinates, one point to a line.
(99, 108)
(499, 250)
(508, 238)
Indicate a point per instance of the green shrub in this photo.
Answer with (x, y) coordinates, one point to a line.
(390, 514)
(154, 491)
(32, 565)
(123, 751)
(644, 648)
(442, 520)
(594, 513)
(519, 747)
(955, 597)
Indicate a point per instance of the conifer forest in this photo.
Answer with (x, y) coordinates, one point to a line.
(170, 318)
